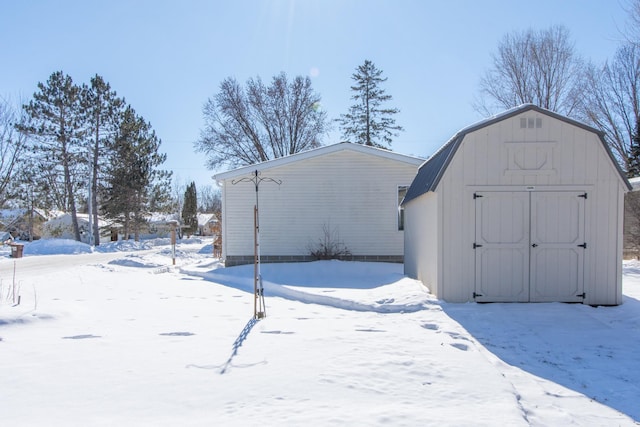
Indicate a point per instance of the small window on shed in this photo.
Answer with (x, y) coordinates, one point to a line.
(530, 123)
(523, 123)
(538, 122)
(402, 191)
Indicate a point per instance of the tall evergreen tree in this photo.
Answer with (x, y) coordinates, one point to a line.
(190, 209)
(633, 163)
(56, 131)
(102, 111)
(134, 181)
(367, 121)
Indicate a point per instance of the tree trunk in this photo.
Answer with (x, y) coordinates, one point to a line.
(70, 194)
(94, 189)
(126, 227)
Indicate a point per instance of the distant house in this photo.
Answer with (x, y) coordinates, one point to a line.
(61, 227)
(21, 224)
(207, 224)
(159, 225)
(524, 206)
(343, 194)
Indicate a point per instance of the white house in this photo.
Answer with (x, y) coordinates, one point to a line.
(346, 193)
(524, 206)
(61, 227)
(207, 224)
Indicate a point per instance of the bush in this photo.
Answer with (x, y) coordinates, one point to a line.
(329, 245)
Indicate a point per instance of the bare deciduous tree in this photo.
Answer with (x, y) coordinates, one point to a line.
(632, 30)
(257, 123)
(612, 103)
(538, 67)
(12, 144)
(210, 200)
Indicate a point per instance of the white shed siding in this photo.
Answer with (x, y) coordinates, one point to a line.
(558, 155)
(421, 217)
(351, 192)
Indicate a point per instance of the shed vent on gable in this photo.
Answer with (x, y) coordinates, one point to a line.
(530, 122)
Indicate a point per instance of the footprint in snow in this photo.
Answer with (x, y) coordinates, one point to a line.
(177, 334)
(430, 326)
(459, 346)
(81, 337)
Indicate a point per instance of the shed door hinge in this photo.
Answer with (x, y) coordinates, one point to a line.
(584, 196)
(476, 196)
(475, 245)
(582, 295)
(584, 245)
(475, 295)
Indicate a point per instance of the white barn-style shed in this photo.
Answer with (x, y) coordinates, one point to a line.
(526, 206)
(348, 190)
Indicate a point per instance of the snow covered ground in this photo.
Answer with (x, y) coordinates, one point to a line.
(121, 336)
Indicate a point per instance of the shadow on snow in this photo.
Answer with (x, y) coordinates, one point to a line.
(318, 274)
(591, 350)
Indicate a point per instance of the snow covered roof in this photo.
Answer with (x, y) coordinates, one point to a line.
(65, 219)
(431, 171)
(635, 183)
(9, 215)
(205, 218)
(342, 146)
(160, 217)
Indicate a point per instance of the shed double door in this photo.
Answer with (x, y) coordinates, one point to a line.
(529, 246)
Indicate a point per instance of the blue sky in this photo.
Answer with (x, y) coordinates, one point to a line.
(167, 57)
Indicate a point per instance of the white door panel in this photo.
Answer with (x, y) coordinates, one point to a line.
(557, 224)
(502, 247)
(529, 246)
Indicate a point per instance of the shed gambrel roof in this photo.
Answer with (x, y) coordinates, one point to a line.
(342, 146)
(431, 171)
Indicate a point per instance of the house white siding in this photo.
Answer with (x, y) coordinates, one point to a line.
(350, 193)
(553, 156)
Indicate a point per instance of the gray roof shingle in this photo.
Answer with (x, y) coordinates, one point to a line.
(431, 171)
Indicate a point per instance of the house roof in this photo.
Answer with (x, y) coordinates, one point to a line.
(431, 171)
(635, 183)
(342, 146)
(205, 218)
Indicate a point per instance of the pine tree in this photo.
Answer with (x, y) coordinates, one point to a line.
(633, 161)
(102, 110)
(134, 181)
(368, 122)
(56, 131)
(190, 209)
